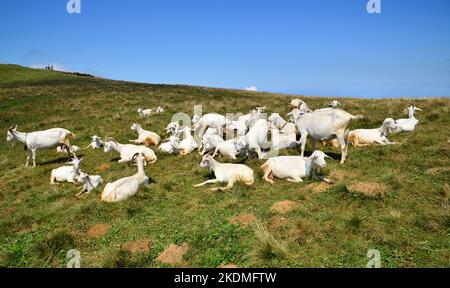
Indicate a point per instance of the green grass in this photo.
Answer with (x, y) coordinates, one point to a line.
(40, 223)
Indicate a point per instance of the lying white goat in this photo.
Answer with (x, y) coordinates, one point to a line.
(34, 141)
(145, 137)
(173, 128)
(409, 124)
(283, 141)
(323, 125)
(128, 186)
(62, 149)
(364, 137)
(170, 146)
(159, 110)
(144, 112)
(68, 173)
(127, 151)
(90, 182)
(225, 172)
(231, 148)
(188, 144)
(96, 143)
(334, 104)
(210, 141)
(285, 127)
(294, 168)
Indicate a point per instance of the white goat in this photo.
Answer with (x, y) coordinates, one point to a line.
(282, 140)
(285, 127)
(34, 141)
(334, 104)
(409, 124)
(173, 128)
(62, 149)
(294, 168)
(300, 105)
(256, 137)
(144, 112)
(211, 120)
(170, 146)
(66, 173)
(145, 137)
(96, 143)
(324, 125)
(210, 141)
(127, 151)
(128, 186)
(225, 172)
(90, 182)
(188, 144)
(230, 148)
(159, 110)
(364, 137)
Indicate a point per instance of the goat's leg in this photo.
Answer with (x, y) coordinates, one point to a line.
(267, 176)
(211, 181)
(135, 141)
(314, 144)
(343, 145)
(303, 141)
(28, 158)
(229, 186)
(33, 152)
(324, 179)
(294, 180)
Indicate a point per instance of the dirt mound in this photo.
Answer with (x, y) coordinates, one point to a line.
(142, 245)
(277, 221)
(370, 189)
(437, 170)
(318, 187)
(173, 254)
(98, 230)
(103, 167)
(284, 206)
(243, 219)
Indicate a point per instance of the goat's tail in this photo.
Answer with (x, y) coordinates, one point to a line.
(357, 117)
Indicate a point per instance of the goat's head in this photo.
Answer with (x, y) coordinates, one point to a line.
(10, 134)
(109, 144)
(135, 126)
(206, 161)
(76, 163)
(82, 177)
(318, 158)
(390, 125)
(138, 157)
(334, 104)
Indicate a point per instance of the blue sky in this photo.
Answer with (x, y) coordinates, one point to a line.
(315, 47)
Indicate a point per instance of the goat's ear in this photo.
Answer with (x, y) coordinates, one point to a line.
(326, 156)
(12, 128)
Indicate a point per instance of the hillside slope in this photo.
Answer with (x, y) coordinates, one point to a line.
(329, 226)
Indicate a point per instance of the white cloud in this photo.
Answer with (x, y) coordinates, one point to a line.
(56, 66)
(251, 88)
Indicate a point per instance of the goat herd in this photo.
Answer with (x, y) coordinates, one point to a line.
(328, 125)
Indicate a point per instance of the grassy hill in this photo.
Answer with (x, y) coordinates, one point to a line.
(329, 226)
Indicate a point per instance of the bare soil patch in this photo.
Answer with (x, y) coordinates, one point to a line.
(173, 254)
(142, 245)
(284, 206)
(243, 219)
(98, 230)
(370, 189)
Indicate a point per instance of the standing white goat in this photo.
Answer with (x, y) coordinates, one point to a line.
(145, 137)
(128, 186)
(34, 141)
(90, 182)
(127, 151)
(294, 168)
(68, 173)
(364, 137)
(324, 125)
(225, 172)
(144, 112)
(409, 124)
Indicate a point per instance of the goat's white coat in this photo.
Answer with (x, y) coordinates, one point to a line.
(364, 137)
(144, 136)
(127, 151)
